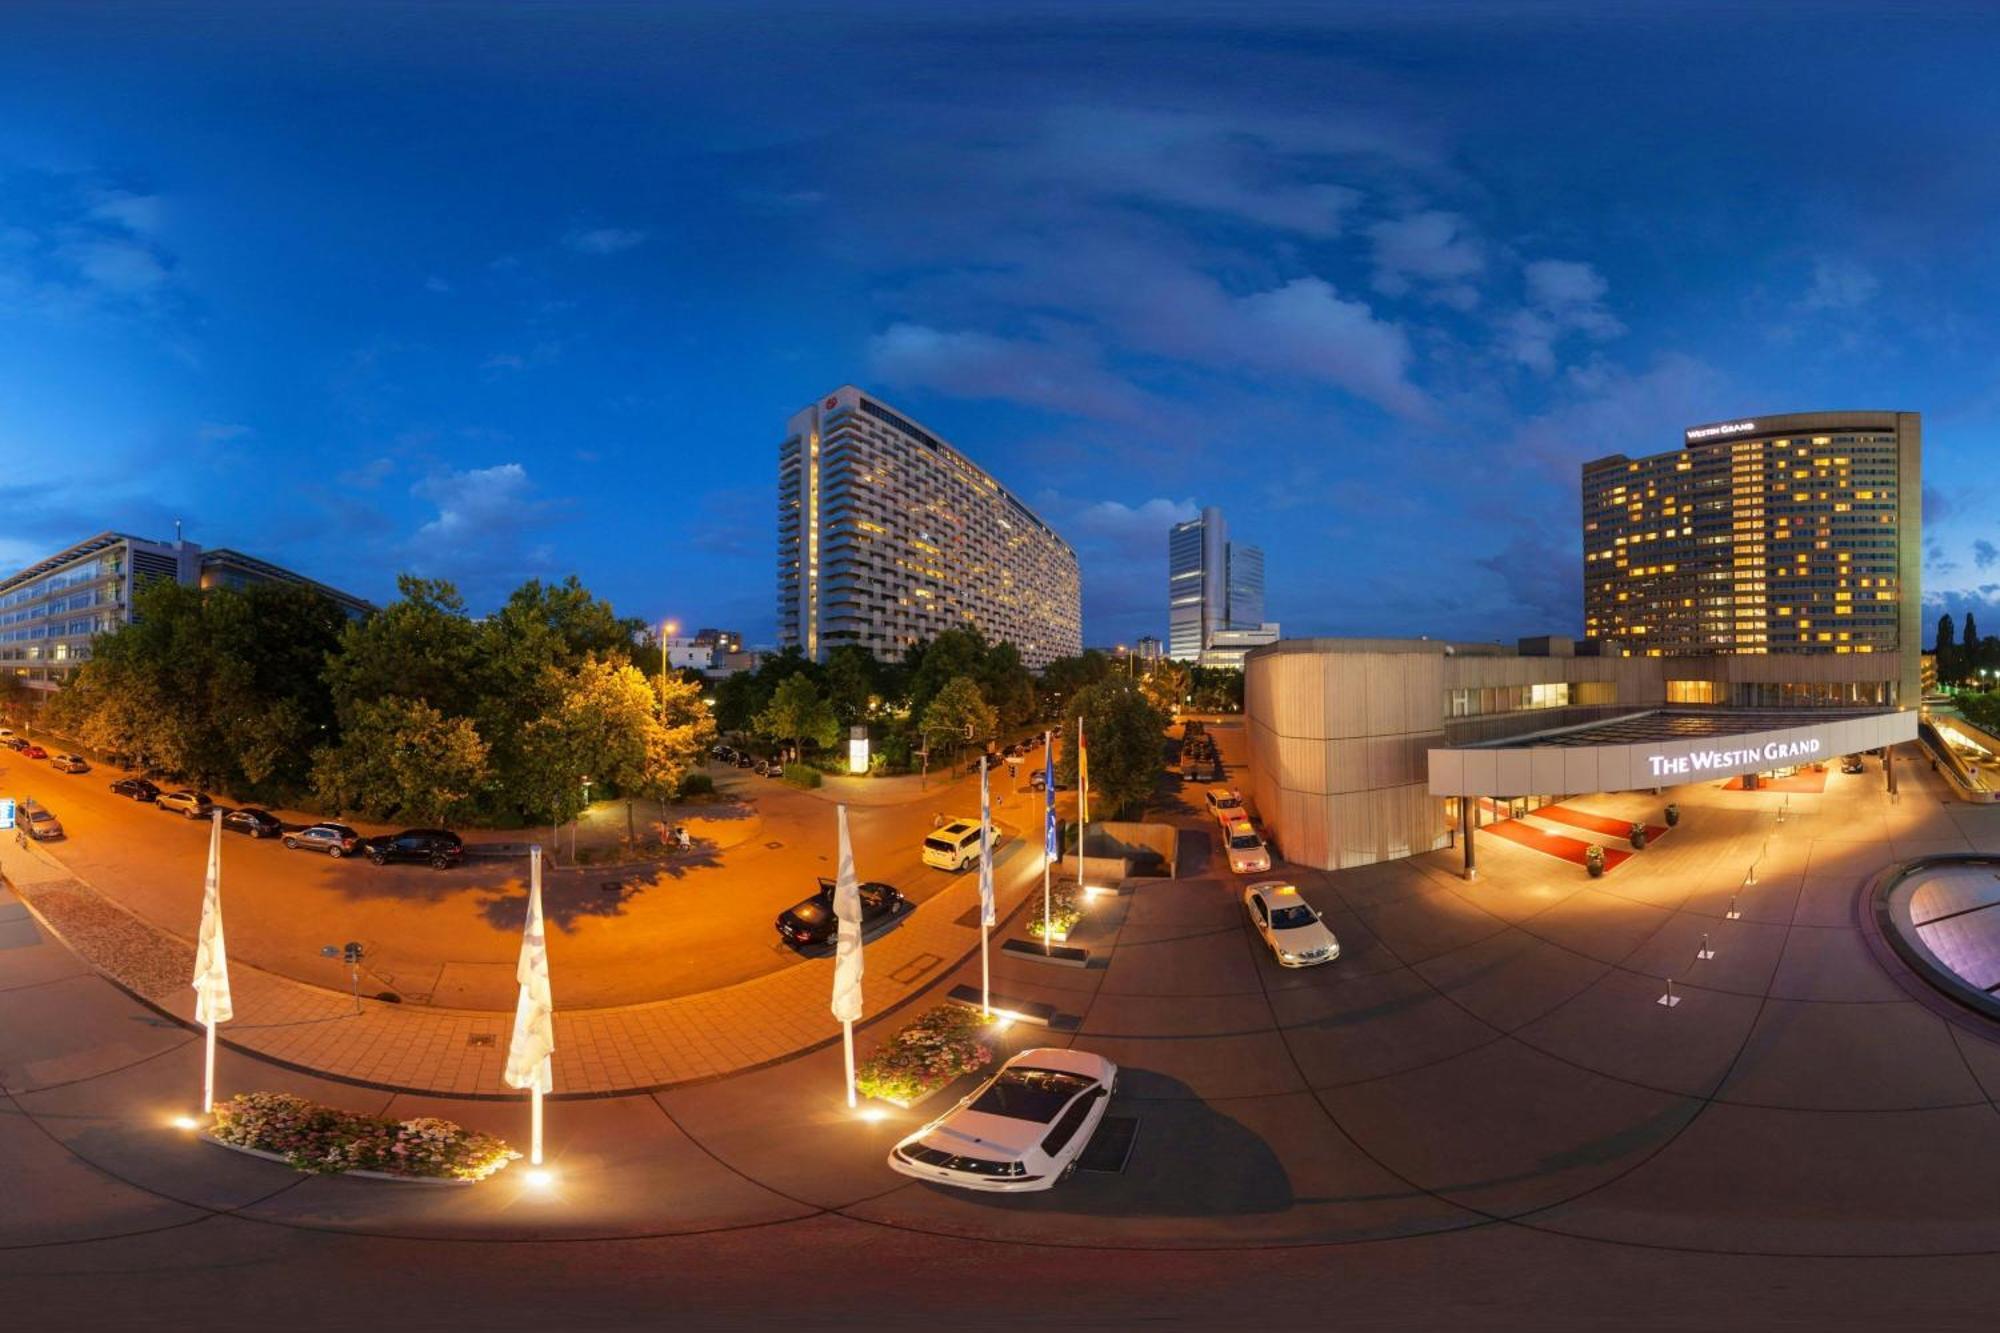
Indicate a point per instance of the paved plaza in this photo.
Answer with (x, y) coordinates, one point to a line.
(1479, 1114)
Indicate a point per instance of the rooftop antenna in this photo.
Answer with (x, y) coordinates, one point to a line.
(177, 532)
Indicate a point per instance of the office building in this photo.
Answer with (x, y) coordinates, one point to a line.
(51, 611)
(1779, 536)
(1215, 594)
(887, 536)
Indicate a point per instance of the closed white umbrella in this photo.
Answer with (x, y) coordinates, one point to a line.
(531, 1051)
(985, 888)
(211, 963)
(847, 948)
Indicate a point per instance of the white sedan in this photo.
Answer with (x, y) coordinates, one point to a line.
(1290, 925)
(1247, 853)
(1021, 1131)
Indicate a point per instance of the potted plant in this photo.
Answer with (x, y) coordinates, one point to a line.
(1673, 814)
(1593, 860)
(1638, 836)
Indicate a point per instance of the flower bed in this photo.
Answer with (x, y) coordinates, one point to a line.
(1065, 910)
(324, 1141)
(925, 1055)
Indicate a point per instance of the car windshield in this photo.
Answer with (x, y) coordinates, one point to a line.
(1245, 842)
(1286, 918)
(1027, 1093)
(1227, 802)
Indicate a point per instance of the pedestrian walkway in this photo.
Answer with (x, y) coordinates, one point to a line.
(462, 1052)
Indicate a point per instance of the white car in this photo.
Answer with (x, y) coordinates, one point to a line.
(1021, 1131)
(1247, 853)
(1290, 925)
(1226, 804)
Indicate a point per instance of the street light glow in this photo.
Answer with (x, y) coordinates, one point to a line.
(540, 1177)
(870, 1113)
(186, 1122)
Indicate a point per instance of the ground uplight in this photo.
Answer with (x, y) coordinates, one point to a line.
(186, 1122)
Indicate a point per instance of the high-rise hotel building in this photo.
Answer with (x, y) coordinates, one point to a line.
(1779, 536)
(887, 535)
(1215, 594)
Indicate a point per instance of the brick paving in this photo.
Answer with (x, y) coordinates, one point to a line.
(462, 1052)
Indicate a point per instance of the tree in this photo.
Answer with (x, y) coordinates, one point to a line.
(797, 714)
(1217, 689)
(421, 646)
(958, 713)
(1969, 660)
(402, 758)
(1946, 650)
(849, 680)
(1167, 685)
(1008, 685)
(1064, 677)
(1124, 734)
(954, 653)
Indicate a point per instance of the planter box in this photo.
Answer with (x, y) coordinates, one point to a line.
(920, 1098)
(364, 1175)
(1064, 954)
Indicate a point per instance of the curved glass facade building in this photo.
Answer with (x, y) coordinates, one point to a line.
(887, 535)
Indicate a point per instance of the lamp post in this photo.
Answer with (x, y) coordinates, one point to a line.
(667, 628)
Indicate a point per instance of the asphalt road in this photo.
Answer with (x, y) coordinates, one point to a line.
(452, 937)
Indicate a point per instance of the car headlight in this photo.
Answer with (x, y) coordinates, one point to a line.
(1288, 955)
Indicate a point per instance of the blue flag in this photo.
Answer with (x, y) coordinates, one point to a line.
(1049, 793)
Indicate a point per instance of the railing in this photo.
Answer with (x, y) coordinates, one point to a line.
(1970, 784)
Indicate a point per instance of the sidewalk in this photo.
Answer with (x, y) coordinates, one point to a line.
(462, 1052)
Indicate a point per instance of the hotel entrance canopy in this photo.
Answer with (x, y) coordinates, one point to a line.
(1662, 748)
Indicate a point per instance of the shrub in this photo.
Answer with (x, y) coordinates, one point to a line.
(926, 1054)
(326, 1141)
(802, 775)
(697, 784)
(1065, 910)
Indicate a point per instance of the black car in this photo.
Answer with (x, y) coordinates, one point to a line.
(746, 761)
(253, 822)
(434, 847)
(813, 922)
(137, 788)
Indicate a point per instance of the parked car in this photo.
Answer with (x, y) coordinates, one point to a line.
(69, 763)
(1851, 763)
(955, 847)
(33, 752)
(37, 821)
(1038, 780)
(1226, 804)
(434, 847)
(1247, 853)
(191, 804)
(15, 742)
(746, 761)
(1021, 1131)
(813, 921)
(1290, 925)
(6, 734)
(336, 840)
(137, 789)
(254, 823)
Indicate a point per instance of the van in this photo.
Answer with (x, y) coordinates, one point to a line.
(955, 846)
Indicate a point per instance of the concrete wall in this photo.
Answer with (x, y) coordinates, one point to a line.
(1338, 747)
(1127, 841)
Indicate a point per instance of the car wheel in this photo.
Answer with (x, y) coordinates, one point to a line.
(292, 843)
(335, 852)
(374, 859)
(440, 862)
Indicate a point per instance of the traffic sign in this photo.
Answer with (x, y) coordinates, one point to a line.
(6, 812)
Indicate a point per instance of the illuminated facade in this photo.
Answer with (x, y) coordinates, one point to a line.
(1784, 535)
(52, 611)
(887, 535)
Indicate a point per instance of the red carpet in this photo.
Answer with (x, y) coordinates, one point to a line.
(1811, 784)
(1583, 819)
(1554, 844)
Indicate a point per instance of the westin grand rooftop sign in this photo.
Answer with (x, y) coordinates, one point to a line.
(1725, 428)
(1701, 761)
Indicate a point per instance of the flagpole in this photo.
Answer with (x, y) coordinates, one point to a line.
(1048, 862)
(985, 853)
(535, 1124)
(208, 1076)
(1082, 799)
(847, 1039)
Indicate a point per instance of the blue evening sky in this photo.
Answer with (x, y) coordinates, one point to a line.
(490, 291)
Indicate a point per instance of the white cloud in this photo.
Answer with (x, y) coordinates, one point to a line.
(504, 361)
(1434, 248)
(118, 267)
(1118, 520)
(437, 285)
(1305, 327)
(1564, 297)
(969, 364)
(481, 534)
(136, 213)
(1840, 284)
(604, 240)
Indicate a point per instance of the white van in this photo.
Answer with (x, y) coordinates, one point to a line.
(955, 847)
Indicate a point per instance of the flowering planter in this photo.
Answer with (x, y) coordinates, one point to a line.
(927, 1054)
(364, 1175)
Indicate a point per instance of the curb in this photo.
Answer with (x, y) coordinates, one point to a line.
(206, 1137)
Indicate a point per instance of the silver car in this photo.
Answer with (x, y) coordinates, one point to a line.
(36, 820)
(191, 804)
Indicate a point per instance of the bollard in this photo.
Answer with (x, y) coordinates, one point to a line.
(1750, 880)
(1704, 952)
(1669, 999)
(1732, 914)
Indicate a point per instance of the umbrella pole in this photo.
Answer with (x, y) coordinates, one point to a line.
(535, 1130)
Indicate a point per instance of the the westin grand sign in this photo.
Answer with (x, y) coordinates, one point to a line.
(1725, 428)
(1702, 761)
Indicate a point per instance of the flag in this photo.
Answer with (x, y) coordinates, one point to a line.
(531, 1051)
(211, 956)
(986, 917)
(1050, 836)
(847, 911)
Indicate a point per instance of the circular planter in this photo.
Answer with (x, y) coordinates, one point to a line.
(364, 1175)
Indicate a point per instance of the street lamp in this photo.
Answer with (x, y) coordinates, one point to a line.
(667, 628)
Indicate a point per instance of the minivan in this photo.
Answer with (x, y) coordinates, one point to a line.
(955, 847)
